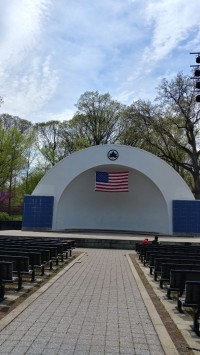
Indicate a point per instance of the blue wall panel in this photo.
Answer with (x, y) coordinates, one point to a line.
(38, 212)
(186, 216)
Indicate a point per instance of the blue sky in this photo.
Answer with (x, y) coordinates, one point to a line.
(52, 51)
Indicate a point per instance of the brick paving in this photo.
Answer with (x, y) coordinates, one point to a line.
(94, 308)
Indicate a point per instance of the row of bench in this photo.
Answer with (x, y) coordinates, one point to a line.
(20, 256)
(177, 267)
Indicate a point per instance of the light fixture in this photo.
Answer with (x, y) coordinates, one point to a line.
(198, 59)
(198, 85)
(198, 98)
(197, 72)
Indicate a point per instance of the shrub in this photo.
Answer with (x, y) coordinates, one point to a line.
(4, 216)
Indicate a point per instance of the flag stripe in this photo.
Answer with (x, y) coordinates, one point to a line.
(112, 181)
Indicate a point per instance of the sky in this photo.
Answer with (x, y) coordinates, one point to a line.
(53, 51)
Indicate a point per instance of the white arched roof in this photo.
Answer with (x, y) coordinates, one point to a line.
(166, 180)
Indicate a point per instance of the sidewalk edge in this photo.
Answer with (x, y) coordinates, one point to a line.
(163, 335)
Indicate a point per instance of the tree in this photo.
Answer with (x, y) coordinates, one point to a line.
(97, 120)
(72, 138)
(9, 121)
(4, 151)
(49, 139)
(170, 127)
(16, 151)
(30, 153)
(12, 160)
(25, 127)
(27, 186)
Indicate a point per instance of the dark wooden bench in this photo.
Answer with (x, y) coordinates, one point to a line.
(167, 267)
(71, 245)
(168, 249)
(161, 253)
(143, 249)
(20, 267)
(61, 244)
(31, 250)
(45, 253)
(178, 280)
(6, 275)
(56, 248)
(159, 260)
(192, 300)
(34, 257)
(51, 250)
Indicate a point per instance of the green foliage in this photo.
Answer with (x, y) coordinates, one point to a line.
(16, 139)
(28, 185)
(49, 141)
(98, 119)
(16, 217)
(5, 216)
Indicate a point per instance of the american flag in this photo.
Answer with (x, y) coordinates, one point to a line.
(116, 181)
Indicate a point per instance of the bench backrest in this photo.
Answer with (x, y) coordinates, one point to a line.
(34, 257)
(167, 267)
(192, 292)
(20, 263)
(184, 259)
(45, 254)
(49, 251)
(6, 270)
(58, 243)
(178, 278)
(146, 254)
(49, 247)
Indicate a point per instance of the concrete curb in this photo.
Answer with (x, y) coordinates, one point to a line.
(165, 340)
(19, 309)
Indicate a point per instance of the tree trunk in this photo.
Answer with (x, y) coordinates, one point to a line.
(196, 189)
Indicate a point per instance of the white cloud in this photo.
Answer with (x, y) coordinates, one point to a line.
(27, 80)
(29, 92)
(22, 25)
(173, 22)
(54, 51)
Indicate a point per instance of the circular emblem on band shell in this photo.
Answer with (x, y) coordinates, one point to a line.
(113, 154)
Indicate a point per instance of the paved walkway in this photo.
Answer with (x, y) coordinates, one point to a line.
(93, 308)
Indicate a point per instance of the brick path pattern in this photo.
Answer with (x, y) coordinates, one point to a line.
(95, 308)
